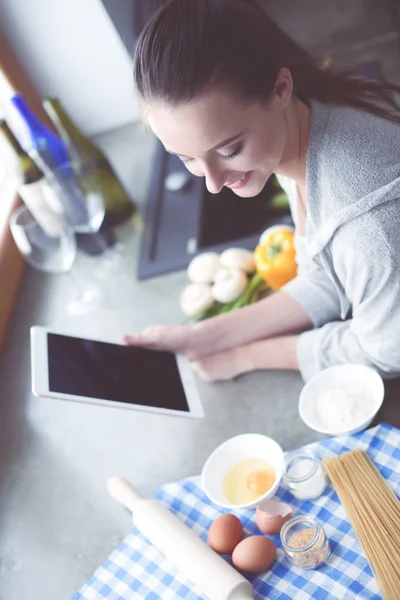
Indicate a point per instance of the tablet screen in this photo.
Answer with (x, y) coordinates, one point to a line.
(112, 372)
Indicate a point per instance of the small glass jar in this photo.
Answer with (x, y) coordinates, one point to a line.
(304, 542)
(304, 475)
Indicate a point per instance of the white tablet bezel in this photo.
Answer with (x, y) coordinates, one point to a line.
(40, 380)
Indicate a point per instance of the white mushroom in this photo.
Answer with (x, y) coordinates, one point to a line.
(203, 267)
(195, 299)
(238, 258)
(228, 285)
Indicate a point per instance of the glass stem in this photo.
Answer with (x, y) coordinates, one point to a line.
(75, 281)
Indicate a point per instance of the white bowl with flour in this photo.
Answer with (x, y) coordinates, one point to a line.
(342, 399)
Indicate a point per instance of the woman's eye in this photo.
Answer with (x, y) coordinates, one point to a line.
(186, 160)
(233, 154)
(230, 156)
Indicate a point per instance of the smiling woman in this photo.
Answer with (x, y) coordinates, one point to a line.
(12, 75)
(208, 70)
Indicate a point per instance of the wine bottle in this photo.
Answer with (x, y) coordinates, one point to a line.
(47, 148)
(51, 155)
(119, 206)
(34, 189)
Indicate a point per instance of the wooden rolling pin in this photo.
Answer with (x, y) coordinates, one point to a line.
(213, 575)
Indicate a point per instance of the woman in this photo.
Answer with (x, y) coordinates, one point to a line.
(237, 100)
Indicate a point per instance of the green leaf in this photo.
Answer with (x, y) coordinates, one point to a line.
(254, 290)
(279, 201)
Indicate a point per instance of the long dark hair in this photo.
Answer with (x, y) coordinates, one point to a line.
(190, 45)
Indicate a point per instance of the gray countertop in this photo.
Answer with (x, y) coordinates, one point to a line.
(58, 522)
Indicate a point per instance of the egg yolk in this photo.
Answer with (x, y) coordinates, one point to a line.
(259, 482)
(248, 480)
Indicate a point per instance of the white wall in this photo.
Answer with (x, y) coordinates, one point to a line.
(71, 49)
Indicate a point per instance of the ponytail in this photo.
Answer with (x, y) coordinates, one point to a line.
(190, 45)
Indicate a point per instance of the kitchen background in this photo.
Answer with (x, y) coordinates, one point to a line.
(81, 53)
(58, 523)
(73, 50)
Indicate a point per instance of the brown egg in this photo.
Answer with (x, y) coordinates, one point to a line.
(254, 554)
(225, 534)
(271, 515)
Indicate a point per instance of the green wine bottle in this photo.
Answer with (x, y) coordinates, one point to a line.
(34, 189)
(119, 206)
(29, 172)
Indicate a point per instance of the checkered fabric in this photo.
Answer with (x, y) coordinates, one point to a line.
(137, 570)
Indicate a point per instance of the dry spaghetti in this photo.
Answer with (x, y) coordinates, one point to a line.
(374, 512)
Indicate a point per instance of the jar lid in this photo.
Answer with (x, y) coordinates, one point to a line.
(299, 466)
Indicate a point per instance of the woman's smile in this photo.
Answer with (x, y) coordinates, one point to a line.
(239, 183)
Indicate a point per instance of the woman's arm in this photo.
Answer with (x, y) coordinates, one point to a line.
(310, 300)
(275, 353)
(370, 272)
(273, 316)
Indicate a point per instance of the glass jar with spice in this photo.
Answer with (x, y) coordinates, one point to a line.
(304, 542)
(304, 475)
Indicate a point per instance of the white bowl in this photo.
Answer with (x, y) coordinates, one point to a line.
(234, 450)
(336, 378)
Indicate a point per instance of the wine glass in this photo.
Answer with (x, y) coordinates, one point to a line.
(80, 195)
(53, 251)
(82, 198)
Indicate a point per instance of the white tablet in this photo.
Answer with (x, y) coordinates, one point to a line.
(74, 368)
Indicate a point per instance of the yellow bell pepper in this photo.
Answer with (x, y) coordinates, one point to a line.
(275, 257)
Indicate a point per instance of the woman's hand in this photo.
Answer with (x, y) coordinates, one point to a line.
(210, 367)
(222, 365)
(273, 316)
(180, 339)
(194, 341)
(275, 353)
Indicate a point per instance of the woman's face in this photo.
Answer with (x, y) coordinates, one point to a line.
(228, 142)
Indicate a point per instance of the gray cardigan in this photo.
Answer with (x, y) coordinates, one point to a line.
(349, 258)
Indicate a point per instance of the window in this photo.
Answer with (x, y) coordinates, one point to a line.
(8, 185)
(11, 262)
(7, 163)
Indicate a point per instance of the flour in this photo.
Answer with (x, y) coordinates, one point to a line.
(344, 408)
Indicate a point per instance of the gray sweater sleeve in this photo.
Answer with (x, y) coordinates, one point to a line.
(313, 289)
(369, 270)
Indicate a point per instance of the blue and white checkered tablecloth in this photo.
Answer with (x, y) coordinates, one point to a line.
(137, 570)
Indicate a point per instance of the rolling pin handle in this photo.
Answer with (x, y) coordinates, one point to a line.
(120, 489)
